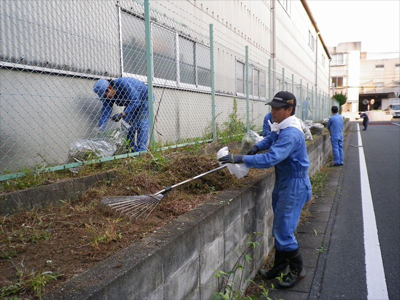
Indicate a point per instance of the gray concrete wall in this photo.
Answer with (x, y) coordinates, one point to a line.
(50, 195)
(179, 260)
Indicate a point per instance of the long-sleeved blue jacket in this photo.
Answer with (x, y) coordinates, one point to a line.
(132, 94)
(266, 127)
(335, 125)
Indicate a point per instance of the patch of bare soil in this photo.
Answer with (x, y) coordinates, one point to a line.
(41, 249)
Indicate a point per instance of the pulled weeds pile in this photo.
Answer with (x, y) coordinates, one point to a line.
(41, 249)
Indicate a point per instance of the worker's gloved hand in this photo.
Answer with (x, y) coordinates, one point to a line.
(253, 150)
(231, 159)
(116, 117)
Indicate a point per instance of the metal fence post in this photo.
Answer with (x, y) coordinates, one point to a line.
(283, 79)
(247, 90)
(149, 58)
(214, 123)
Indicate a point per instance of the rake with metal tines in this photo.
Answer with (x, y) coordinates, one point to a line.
(137, 206)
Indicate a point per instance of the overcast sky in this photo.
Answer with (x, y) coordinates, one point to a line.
(375, 23)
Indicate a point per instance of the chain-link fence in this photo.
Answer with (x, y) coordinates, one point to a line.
(56, 114)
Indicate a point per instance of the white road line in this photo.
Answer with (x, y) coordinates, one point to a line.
(376, 281)
(398, 124)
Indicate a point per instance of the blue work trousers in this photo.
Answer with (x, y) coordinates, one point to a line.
(365, 123)
(138, 135)
(337, 149)
(291, 192)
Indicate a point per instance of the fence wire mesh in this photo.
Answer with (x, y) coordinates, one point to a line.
(74, 80)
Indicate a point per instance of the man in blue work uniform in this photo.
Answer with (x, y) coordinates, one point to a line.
(266, 127)
(305, 107)
(132, 94)
(365, 118)
(288, 153)
(335, 127)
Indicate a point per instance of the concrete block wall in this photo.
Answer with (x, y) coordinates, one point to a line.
(179, 261)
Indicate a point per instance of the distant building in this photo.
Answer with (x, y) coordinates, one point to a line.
(379, 80)
(361, 78)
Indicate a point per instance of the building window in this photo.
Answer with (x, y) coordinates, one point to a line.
(256, 90)
(203, 65)
(250, 81)
(191, 69)
(337, 81)
(379, 66)
(187, 70)
(310, 40)
(164, 53)
(338, 60)
(286, 4)
(240, 76)
(278, 86)
(133, 45)
(397, 65)
(263, 86)
(287, 86)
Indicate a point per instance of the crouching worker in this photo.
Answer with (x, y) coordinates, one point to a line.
(288, 153)
(132, 94)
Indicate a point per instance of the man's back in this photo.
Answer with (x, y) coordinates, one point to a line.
(335, 125)
(130, 89)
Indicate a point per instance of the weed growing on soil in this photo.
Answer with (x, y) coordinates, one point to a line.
(28, 281)
(233, 279)
(318, 184)
(319, 181)
(105, 234)
(233, 128)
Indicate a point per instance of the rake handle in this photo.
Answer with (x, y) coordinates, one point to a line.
(169, 188)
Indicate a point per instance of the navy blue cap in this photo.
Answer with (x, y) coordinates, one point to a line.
(283, 98)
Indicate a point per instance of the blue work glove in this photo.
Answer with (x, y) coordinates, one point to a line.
(231, 159)
(253, 150)
(116, 117)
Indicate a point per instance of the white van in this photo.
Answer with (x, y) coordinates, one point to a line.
(392, 105)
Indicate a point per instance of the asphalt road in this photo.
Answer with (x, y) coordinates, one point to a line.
(345, 276)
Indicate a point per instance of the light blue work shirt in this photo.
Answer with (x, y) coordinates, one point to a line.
(335, 125)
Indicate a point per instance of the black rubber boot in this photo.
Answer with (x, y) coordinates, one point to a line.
(280, 266)
(296, 272)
